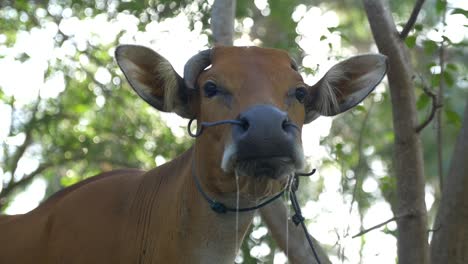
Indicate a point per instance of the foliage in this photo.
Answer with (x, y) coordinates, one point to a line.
(94, 124)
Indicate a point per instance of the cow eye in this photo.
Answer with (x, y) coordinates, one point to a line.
(301, 93)
(210, 89)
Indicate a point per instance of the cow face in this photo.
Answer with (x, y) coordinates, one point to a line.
(259, 87)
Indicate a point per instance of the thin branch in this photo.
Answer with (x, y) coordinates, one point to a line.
(29, 127)
(6, 152)
(435, 106)
(435, 229)
(24, 181)
(359, 165)
(395, 218)
(440, 98)
(412, 20)
(12, 115)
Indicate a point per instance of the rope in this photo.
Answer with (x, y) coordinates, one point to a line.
(221, 208)
(297, 217)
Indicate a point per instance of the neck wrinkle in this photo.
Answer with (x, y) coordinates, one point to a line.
(214, 235)
(221, 186)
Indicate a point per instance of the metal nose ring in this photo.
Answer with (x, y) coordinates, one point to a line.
(202, 125)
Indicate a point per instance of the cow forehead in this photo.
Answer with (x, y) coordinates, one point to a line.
(250, 56)
(240, 67)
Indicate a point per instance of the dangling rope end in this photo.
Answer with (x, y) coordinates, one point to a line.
(306, 174)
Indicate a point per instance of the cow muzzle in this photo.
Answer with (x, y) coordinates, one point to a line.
(264, 144)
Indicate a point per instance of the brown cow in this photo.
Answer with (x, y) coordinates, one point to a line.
(159, 216)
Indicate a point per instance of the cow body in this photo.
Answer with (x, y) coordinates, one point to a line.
(126, 216)
(160, 216)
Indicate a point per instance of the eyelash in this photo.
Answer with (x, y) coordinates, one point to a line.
(210, 89)
(300, 93)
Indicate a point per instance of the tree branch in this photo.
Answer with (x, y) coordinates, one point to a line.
(359, 164)
(440, 98)
(6, 153)
(408, 163)
(29, 127)
(435, 105)
(412, 20)
(395, 218)
(24, 181)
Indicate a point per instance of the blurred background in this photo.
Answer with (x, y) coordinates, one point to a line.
(67, 113)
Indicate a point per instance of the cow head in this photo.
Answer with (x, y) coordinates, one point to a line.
(260, 87)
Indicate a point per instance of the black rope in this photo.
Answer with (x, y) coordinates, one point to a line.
(202, 125)
(297, 217)
(242, 123)
(221, 208)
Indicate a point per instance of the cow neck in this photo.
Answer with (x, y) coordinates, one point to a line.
(218, 231)
(293, 185)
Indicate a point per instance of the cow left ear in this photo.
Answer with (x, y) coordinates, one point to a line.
(345, 85)
(154, 79)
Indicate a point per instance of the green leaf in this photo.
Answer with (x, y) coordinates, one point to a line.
(453, 117)
(418, 27)
(451, 67)
(441, 5)
(446, 39)
(410, 41)
(422, 102)
(448, 78)
(332, 29)
(435, 80)
(460, 11)
(339, 148)
(462, 44)
(70, 180)
(345, 38)
(360, 108)
(389, 136)
(387, 184)
(430, 47)
(80, 108)
(430, 65)
(323, 37)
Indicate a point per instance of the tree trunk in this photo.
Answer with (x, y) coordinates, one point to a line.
(408, 162)
(222, 21)
(450, 238)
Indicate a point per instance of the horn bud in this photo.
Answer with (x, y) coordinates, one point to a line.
(195, 66)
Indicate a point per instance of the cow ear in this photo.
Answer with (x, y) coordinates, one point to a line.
(345, 85)
(154, 79)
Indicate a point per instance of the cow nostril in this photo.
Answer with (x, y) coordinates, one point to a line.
(244, 123)
(285, 123)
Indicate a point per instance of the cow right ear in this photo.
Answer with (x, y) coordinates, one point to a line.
(154, 79)
(345, 85)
